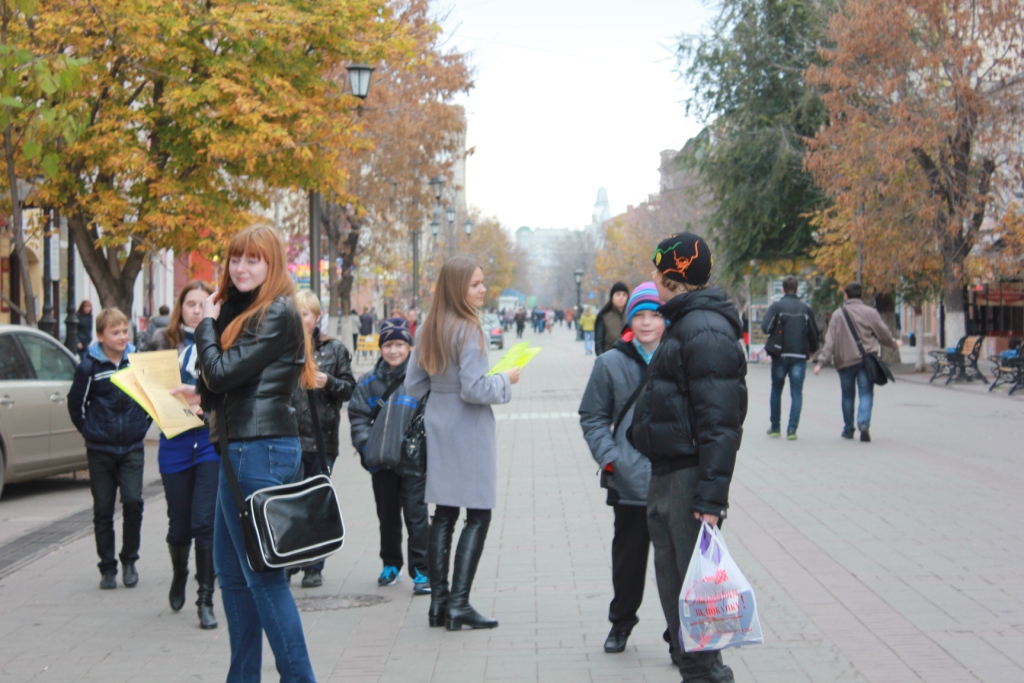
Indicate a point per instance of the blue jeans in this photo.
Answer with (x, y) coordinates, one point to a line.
(588, 342)
(257, 602)
(795, 369)
(854, 379)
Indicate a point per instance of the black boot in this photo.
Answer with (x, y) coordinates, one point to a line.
(439, 550)
(205, 577)
(179, 561)
(467, 557)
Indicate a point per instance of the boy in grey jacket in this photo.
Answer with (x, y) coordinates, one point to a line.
(379, 413)
(605, 413)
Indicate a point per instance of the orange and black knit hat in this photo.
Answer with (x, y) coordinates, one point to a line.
(684, 257)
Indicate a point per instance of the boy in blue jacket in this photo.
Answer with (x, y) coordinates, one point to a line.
(114, 427)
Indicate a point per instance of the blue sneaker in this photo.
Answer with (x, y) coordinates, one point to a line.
(389, 576)
(420, 584)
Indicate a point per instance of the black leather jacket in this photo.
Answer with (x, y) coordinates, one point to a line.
(256, 376)
(334, 360)
(691, 411)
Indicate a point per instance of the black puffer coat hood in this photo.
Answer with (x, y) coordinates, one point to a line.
(691, 411)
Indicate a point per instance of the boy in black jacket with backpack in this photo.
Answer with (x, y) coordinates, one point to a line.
(114, 427)
(380, 412)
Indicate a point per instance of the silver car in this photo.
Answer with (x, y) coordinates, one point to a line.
(37, 438)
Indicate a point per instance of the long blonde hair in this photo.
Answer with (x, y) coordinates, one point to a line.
(263, 242)
(450, 314)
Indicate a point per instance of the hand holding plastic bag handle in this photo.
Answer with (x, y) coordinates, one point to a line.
(716, 606)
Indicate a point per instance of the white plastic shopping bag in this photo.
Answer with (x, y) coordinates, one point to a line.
(716, 607)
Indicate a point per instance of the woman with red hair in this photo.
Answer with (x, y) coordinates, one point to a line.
(252, 354)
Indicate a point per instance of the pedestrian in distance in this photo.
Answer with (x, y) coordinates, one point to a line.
(520, 319)
(252, 353)
(688, 421)
(154, 325)
(354, 324)
(606, 412)
(611, 318)
(792, 339)
(549, 320)
(841, 348)
(379, 414)
(83, 334)
(450, 360)
(114, 428)
(333, 386)
(366, 327)
(587, 323)
(189, 465)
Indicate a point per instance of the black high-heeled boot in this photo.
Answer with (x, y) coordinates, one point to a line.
(467, 557)
(205, 576)
(439, 550)
(179, 561)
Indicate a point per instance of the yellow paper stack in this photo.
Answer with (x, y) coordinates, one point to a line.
(517, 355)
(148, 380)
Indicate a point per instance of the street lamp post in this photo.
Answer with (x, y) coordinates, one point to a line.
(47, 323)
(578, 276)
(359, 82)
(468, 225)
(71, 322)
(451, 231)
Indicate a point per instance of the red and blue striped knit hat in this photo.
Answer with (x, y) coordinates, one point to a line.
(643, 298)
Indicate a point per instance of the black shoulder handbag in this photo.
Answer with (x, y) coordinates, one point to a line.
(385, 459)
(413, 461)
(878, 372)
(288, 525)
(773, 345)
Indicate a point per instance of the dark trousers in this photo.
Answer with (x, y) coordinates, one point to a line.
(396, 496)
(109, 472)
(191, 502)
(311, 466)
(674, 533)
(630, 546)
(795, 369)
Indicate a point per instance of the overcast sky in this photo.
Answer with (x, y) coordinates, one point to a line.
(570, 96)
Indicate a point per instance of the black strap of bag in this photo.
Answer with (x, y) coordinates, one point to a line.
(384, 399)
(631, 400)
(229, 471)
(853, 331)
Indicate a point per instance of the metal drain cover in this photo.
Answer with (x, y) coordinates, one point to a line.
(329, 602)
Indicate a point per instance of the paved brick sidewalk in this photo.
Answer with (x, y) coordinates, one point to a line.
(895, 561)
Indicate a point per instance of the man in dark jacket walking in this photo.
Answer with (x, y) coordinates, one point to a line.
(791, 322)
(688, 421)
(611, 318)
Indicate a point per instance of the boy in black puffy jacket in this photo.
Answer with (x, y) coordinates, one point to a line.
(114, 427)
(378, 428)
(688, 422)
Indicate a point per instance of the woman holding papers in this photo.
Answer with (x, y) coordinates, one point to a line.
(252, 353)
(450, 359)
(189, 465)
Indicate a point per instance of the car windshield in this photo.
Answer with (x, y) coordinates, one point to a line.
(491, 322)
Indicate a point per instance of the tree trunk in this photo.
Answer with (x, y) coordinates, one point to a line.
(919, 361)
(28, 293)
(886, 305)
(348, 253)
(953, 299)
(114, 280)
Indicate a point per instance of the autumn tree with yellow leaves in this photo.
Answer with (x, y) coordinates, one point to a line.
(188, 111)
(924, 102)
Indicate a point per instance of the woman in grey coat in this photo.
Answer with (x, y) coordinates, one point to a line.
(450, 360)
(606, 412)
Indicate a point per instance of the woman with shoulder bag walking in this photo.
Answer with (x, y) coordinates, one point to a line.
(189, 465)
(450, 360)
(252, 353)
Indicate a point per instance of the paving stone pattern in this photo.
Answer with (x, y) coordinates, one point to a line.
(890, 562)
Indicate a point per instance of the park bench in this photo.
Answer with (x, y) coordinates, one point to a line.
(1009, 369)
(960, 362)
